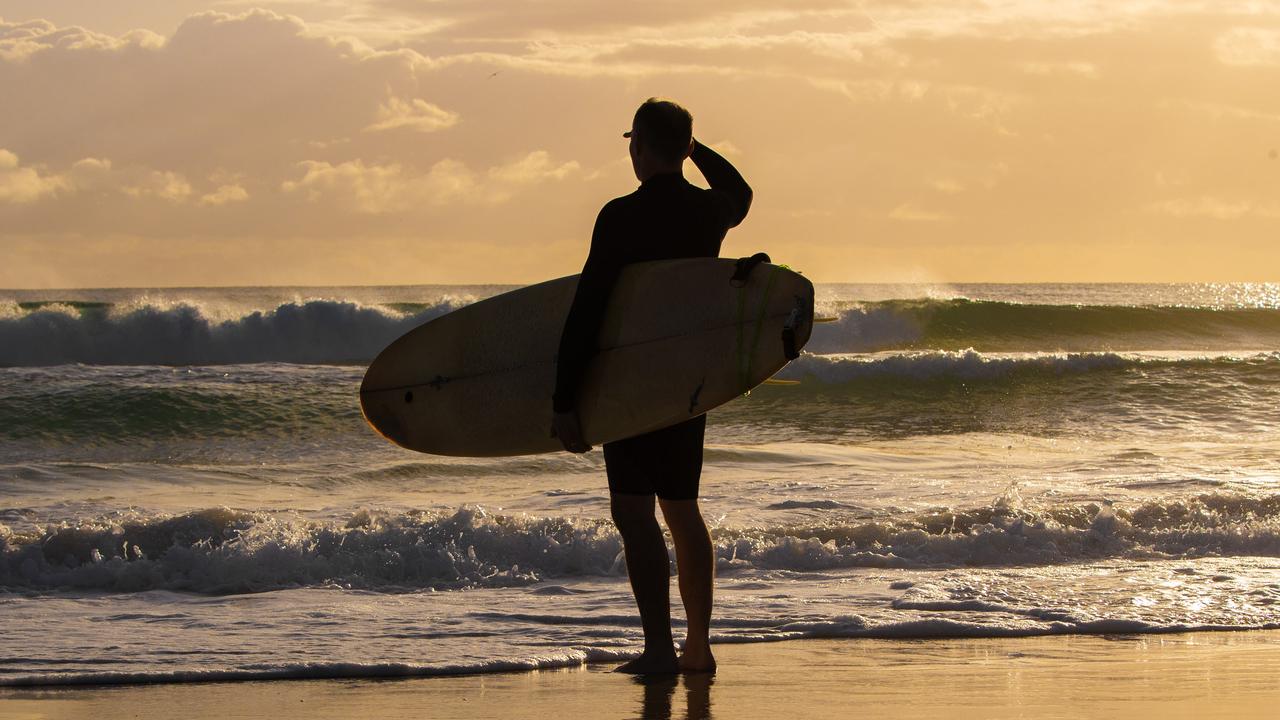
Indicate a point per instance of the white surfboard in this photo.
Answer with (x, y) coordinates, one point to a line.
(678, 339)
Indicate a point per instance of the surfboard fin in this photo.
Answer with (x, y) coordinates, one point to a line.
(772, 381)
(826, 319)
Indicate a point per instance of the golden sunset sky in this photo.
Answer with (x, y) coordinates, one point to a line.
(311, 142)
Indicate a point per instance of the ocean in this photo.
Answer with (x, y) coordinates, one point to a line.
(188, 490)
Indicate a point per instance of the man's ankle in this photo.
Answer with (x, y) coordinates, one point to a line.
(659, 650)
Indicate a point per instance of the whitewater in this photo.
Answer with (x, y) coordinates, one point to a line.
(189, 492)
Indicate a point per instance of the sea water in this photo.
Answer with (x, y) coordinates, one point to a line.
(188, 490)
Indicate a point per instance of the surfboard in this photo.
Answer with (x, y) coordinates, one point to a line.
(678, 339)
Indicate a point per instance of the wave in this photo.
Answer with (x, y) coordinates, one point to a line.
(221, 551)
(900, 394)
(88, 405)
(572, 657)
(971, 365)
(314, 331)
(1054, 622)
(989, 325)
(343, 331)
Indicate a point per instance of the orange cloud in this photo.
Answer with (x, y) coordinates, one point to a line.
(25, 184)
(379, 189)
(224, 195)
(21, 185)
(415, 114)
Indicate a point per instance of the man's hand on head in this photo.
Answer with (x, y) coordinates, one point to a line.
(565, 426)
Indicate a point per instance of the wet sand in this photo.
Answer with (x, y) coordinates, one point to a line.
(1196, 675)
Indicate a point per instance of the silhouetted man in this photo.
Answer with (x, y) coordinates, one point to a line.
(665, 218)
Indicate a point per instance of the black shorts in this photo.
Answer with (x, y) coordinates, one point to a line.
(666, 462)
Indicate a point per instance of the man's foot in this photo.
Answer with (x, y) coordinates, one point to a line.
(697, 660)
(650, 664)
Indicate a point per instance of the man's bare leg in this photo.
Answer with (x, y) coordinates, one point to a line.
(695, 561)
(648, 568)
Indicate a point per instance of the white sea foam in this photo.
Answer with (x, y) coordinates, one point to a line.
(169, 638)
(224, 551)
(318, 670)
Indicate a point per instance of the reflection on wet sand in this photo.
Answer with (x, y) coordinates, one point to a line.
(658, 695)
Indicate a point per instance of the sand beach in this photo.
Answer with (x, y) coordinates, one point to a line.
(1191, 675)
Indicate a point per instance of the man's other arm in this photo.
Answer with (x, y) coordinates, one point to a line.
(582, 325)
(725, 180)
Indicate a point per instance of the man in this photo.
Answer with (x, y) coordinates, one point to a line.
(665, 218)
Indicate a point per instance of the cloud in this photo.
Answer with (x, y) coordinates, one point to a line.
(535, 167)
(910, 213)
(415, 114)
(166, 185)
(1248, 46)
(865, 128)
(20, 42)
(25, 184)
(242, 91)
(525, 18)
(947, 186)
(21, 185)
(1068, 67)
(378, 189)
(224, 195)
(223, 109)
(1215, 208)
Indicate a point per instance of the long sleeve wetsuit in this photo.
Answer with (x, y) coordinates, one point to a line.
(665, 218)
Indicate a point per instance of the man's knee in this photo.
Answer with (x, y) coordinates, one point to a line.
(631, 512)
(682, 516)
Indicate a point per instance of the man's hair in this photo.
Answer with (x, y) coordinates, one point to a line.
(665, 128)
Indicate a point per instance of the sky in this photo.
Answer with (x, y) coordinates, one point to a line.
(365, 142)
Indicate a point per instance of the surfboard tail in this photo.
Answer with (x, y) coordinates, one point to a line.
(382, 419)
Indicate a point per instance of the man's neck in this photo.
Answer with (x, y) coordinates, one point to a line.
(662, 171)
(663, 177)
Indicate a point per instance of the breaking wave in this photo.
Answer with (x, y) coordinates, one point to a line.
(1004, 326)
(341, 331)
(315, 331)
(219, 551)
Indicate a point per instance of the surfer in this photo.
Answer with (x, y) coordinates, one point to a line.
(665, 218)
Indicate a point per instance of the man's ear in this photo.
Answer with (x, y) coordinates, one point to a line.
(689, 150)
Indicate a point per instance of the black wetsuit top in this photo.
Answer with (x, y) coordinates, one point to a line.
(665, 218)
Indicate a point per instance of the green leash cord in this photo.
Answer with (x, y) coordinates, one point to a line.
(746, 358)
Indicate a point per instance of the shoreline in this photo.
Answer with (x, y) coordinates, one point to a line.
(1198, 674)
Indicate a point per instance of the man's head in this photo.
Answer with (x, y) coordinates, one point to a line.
(661, 138)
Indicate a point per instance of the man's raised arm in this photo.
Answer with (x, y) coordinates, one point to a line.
(725, 179)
